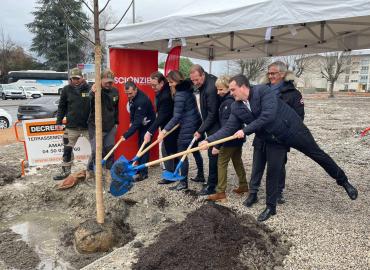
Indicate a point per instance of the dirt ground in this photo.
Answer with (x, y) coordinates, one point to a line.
(317, 228)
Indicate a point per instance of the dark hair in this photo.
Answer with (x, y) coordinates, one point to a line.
(158, 76)
(175, 75)
(130, 84)
(197, 68)
(240, 80)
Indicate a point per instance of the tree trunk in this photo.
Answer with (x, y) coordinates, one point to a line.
(98, 120)
(331, 89)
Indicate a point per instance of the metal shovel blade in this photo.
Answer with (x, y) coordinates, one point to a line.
(118, 188)
(170, 176)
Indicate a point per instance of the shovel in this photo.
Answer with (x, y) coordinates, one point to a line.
(175, 176)
(104, 160)
(123, 173)
(141, 153)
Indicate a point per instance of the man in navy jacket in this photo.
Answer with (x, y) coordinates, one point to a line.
(141, 117)
(261, 110)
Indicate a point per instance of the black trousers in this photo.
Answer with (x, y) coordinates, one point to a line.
(275, 156)
(212, 170)
(303, 141)
(276, 153)
(144, 158)
(170, 147)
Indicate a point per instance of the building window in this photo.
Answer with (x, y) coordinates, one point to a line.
(346, 79)
(353, 81)
(364, 62)
(355, 72)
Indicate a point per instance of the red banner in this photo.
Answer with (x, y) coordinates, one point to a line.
(134, 65)
(173, 60)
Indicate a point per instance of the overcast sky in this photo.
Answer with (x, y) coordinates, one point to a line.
(15, 14)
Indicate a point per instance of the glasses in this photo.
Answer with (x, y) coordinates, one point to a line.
(272, 73)
(75, 78)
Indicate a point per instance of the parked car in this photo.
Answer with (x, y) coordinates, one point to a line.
(6, 120)
(11, 91)
(31, 92)
(45, 107)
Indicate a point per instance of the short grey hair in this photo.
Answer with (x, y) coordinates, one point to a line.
(282, 67)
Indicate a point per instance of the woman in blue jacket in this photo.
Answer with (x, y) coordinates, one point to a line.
(186, 114)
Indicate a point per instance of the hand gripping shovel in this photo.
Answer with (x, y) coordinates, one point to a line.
(104, 160)
(175, 176)
(119, 184)
(122, 172)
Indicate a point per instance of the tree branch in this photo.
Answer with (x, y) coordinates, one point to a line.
(104, 7)
(92, 11)
(124, 14)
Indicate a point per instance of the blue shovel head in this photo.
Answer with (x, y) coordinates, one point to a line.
(122, 177)
(174, 176)
(170, 176)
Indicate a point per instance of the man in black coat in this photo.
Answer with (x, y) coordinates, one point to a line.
(141, 116)
(109, 109)
(267, 150)
(261, 110)
(164, 105)
(74, 104)
(209, 104)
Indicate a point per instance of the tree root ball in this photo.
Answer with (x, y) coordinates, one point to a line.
(91, 237)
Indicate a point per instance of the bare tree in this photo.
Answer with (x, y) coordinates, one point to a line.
(298, 64)
(96, 13)
(6, 48)
(252, 68)
(332, 66)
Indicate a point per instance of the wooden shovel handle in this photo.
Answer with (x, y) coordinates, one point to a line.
(114, 148)
(141, 148)
(189, 147)
(186, 152)
(157, 141)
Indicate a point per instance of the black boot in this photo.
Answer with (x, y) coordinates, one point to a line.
(267, 213)
(66, 170)
(198, 179)
(207, 190)
(164, 182)
(180, 186)
(351, 190)
(252, 199)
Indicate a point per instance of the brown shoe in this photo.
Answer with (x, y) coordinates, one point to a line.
(217, 197)
(241, 190)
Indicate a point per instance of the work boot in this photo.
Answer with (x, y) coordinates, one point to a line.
(198, 179)
(267, 213)
(252, 199)
(180, 186)
(351, 190)
(241, 190)
(217, 197)
(65, 171)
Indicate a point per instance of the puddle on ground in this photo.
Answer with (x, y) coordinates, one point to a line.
(40, 231)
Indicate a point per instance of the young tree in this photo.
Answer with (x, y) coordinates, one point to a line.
(298, 64)
(58, 24)
(333, 65)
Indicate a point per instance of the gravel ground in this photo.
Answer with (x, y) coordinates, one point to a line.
(325, 229)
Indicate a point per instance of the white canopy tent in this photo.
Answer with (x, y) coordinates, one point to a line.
(232, 29)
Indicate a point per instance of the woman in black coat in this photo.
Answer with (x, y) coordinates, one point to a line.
(186, 114)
